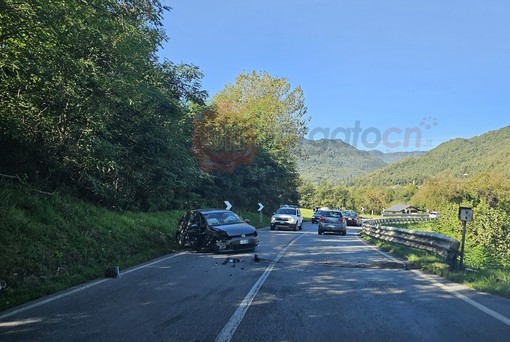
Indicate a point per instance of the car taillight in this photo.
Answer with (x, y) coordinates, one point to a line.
(321, 219)
(341, 219)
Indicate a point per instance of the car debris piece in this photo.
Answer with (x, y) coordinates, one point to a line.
(231, 260)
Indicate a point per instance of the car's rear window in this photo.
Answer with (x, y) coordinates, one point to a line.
(332, 214)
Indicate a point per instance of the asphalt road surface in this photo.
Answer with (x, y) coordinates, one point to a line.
(303, 287)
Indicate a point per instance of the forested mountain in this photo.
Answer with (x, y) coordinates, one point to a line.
(336, 162)
(489, 152)
(392, 157)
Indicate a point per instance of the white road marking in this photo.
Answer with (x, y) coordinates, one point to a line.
(229, 329)
(446, 288)
(81, 288)
(466, 299)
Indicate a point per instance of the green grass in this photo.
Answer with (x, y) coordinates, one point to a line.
(255, 219)
(307, 214)
(490, 281)
(368, 216)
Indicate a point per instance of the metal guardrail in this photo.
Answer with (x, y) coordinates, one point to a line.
(443, 245)
(401, 219)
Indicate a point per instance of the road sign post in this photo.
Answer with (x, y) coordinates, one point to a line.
(261, 206)
(465, 214)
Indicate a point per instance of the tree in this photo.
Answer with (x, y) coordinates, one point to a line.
(306, 195)
(247, 137)
(86, 104)
(268, 106)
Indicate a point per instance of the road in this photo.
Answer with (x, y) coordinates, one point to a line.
(305, 287)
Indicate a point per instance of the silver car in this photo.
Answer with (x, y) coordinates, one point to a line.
(332, 221)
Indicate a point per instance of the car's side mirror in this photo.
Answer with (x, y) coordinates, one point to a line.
(247, 220)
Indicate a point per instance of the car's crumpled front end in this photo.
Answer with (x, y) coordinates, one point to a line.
(235, 237)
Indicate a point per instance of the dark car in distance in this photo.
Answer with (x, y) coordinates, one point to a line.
(317, 215)
(215, 230)
(332, 221)
(351, 218)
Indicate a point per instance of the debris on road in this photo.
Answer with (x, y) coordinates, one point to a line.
(113, 272)
(231, 260)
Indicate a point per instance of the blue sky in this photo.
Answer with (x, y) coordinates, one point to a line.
(439, 69)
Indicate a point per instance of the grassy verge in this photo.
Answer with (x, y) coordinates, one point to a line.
(49, 243)
(255, 219)
(489, 281)
(307, 214)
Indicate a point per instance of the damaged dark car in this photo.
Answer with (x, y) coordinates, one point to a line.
(216, 230)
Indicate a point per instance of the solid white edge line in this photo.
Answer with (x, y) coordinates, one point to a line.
(443, 287)
(466, 299)
(229, 329)
(80, 288)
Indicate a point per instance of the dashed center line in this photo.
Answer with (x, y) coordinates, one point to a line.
(229, 329)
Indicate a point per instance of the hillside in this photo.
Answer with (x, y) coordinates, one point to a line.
(487, 152)
(393, 157)
(336, 162)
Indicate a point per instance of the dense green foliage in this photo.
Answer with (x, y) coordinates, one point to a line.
(86, 106)
(488, 236)
(259, 120)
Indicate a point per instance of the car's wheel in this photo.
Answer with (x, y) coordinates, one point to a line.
(272, 227)
(180, 239)
(295, 227)
(301, 226)
(344, 233)
(320, 232)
